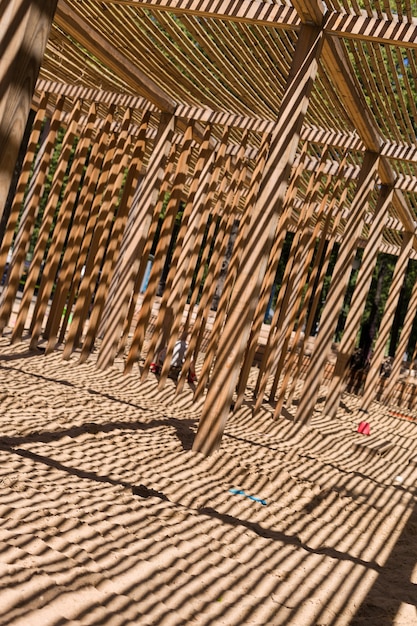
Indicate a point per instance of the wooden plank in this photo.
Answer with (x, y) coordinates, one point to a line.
(251, 11)
(182, 272)
(103, 50)
(103, 228)
(168, 309)
(157, 265)
(47, 220)
(324, 256)
(76, 252)
(61, 230)
(200, 220)
(62, 218)
(238, 175)
(98, 96)
(268, 280)
(8, 295)
(116, 232)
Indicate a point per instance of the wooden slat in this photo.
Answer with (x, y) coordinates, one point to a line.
(8, 295)
(85, 264)
(170, 298)
(93, 41)
(157, 265)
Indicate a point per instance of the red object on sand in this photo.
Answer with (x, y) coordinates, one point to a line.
(364, 428)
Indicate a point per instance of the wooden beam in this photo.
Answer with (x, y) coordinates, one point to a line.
(373, 29)
(99, 96)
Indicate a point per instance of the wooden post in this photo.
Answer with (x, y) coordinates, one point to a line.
(340, 279)
(62, 221)
(363, 282)
(402, 345)
(133, 243)
(373, 377)
(290, 293)
(167, 312)
(323, 260)
(76, 251)
(268, 280)
(33, 160)
(236, 331)
(47, 220)
(161, 250)
(85, 263)
(25, 28)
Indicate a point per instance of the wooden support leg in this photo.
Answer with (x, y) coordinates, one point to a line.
(363, 282)
(373, 378)
(337, 290)
(133, 243)
(259, 242)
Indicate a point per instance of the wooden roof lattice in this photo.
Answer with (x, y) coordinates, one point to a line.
(227, 63)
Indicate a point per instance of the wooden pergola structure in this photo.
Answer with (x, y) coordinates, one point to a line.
(257, 118)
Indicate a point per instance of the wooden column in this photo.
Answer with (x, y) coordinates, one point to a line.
(167, 309)
(236, 331)
(133, 243)
(363, 282)
(76, 248)
(335, 297)
(401, 347)
(324, 254)
(372, 378)
(86, 261)
(148, 299)
(269, 278)
(25, 26)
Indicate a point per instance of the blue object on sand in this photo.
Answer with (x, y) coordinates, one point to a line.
(241, 492)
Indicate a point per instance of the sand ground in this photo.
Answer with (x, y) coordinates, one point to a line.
(107, 517)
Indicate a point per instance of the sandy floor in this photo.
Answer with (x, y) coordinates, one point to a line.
(108, 518)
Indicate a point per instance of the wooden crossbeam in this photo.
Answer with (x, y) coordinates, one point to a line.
(80, 92)
(313, 134)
